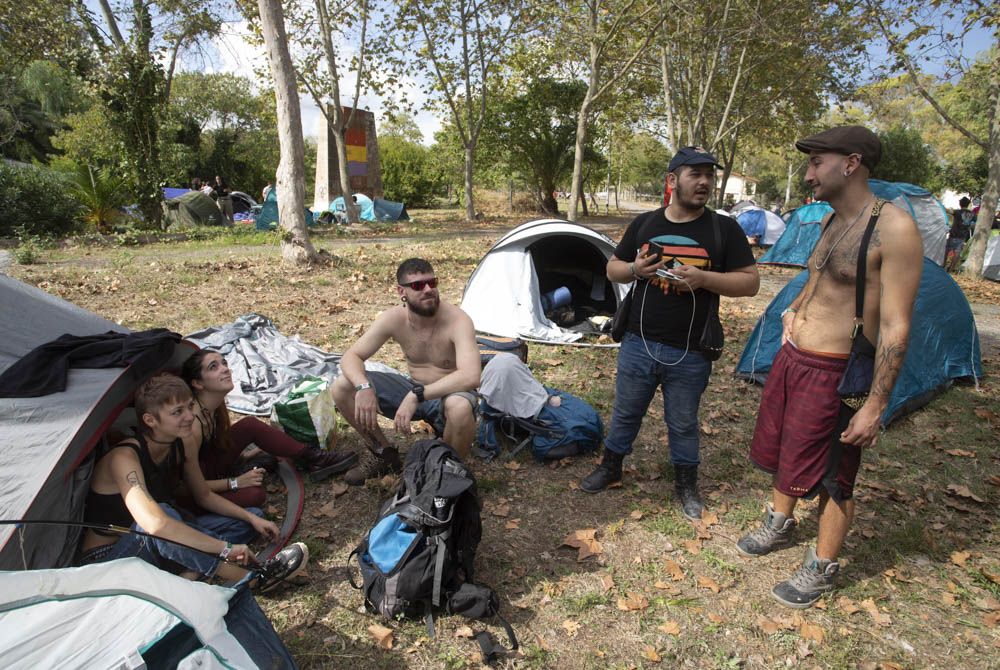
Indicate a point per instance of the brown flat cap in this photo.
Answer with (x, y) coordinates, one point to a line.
(846, 140)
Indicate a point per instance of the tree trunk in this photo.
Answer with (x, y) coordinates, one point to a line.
(470, 206)
(340, 144)
(576, 190)
(788, 185)
(295, 245)
(988, 206)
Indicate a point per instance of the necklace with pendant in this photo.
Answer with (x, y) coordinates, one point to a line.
(820, 266)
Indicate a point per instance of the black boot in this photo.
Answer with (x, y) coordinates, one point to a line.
(686, 483)
(607, 473)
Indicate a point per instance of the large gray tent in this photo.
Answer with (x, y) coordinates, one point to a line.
(123, 613)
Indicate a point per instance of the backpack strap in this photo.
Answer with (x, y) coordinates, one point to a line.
(862, 271)
(441, 539)
(490, 648)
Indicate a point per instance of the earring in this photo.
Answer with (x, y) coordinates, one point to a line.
(846, 173)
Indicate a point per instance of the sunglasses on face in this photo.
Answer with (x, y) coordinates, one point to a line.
(421, 284)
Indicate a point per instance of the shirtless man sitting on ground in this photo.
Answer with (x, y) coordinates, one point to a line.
(439, 343)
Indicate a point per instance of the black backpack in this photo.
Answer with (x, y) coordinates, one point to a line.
(418, 556)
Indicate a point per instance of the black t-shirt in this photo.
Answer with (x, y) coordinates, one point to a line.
(665, 312)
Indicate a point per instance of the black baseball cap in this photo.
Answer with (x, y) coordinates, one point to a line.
(846, 140)
(692, 156)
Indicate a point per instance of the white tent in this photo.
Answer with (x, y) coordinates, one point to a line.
(504, 293)
(991, 261)
(129, 614)
(757, 222)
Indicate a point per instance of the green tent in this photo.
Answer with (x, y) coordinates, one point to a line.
(193, 208)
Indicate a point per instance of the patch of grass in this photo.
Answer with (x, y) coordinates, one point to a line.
(536, 656)
(487, 485)
(671, 525)
(587, 601)
(715, 561)
(984, 582)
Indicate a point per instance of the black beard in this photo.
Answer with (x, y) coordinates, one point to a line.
(420, 310)
(683, 200)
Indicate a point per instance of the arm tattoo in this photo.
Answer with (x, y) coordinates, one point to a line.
(888, 362)
(133, 479)
(875, 241)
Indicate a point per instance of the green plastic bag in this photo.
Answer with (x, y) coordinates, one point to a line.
(307, 413)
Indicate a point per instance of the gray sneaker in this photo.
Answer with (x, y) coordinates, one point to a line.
(776, 533)
(815, 577)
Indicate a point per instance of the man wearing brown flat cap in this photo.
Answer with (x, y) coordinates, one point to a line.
(818, 412)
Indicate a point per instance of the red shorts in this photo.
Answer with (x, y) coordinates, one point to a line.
(801, 417)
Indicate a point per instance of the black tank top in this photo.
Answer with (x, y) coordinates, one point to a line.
(161, 482)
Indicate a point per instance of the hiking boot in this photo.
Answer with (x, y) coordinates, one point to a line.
(607, 473)
(816, 577)
(686, 485)
(322, 464)
(286, 564)
(374, 465)
(776, 533)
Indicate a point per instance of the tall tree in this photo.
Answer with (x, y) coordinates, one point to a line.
(463, 46)
(923, 28)
(612, 35)
(295, 245)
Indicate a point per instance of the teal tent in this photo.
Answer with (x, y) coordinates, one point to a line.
(268, 217)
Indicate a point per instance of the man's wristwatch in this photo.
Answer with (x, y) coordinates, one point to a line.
(362, 387)
(233, 484)
(418, 391)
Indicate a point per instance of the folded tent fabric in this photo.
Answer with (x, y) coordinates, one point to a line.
(508, 385)
(44, 370)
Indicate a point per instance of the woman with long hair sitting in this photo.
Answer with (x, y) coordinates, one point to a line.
(222, 443)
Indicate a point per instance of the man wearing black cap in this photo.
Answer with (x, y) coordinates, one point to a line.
(807, 436)
(681, 258)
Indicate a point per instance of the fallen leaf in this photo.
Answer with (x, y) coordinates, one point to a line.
(422, 427)
(464, 631)
(607, 582)
(325, 510)
(649, 653)
(879, 617)
(963, 491)
(670, 628)
(381, 635)
(992, 619)
(674, 569)
(632, 602)
(994, 480)
(803, 650)
(584, 540)
(322, 534)
(959, 558)
(693, 546)
(636, 514)
(709, 519)
(513, 524)
(820, 605)
(339, 488)
(501, 510)
(811, 632)
(846, 605)
(571, 627)
(960, 452)
(769, 626)
(512, 465)
(664, 586)
(701, 531)
(714, 618)
(992, 576)
(948, 598)
(708, 583)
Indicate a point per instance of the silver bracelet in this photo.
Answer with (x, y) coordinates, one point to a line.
(233, 484)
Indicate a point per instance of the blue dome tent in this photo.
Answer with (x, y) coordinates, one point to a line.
(931, 217)
(801, 234)
(944, 343)
(767, 227)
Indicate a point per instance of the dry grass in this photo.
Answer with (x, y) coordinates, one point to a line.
(926, 560)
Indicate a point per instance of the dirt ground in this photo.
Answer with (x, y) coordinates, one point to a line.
(920, 581)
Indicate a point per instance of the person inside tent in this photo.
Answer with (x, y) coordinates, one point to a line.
(221, 444)
(132, 486)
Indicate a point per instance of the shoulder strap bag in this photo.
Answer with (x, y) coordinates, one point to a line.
(713, 338)
(856, 382)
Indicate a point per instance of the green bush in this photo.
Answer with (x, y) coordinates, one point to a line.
(35, 201)
(408, 175)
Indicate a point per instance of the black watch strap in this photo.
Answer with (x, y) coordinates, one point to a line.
(418, 391)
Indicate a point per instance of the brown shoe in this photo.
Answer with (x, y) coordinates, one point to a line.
(322, 464)
(374, 465)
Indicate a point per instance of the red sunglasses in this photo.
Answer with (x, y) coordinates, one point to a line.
(420, 284)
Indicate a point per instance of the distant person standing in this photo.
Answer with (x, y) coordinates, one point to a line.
(207, 188)
(961, 230)
(223, 197)
(195, 184)
(267, 191)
